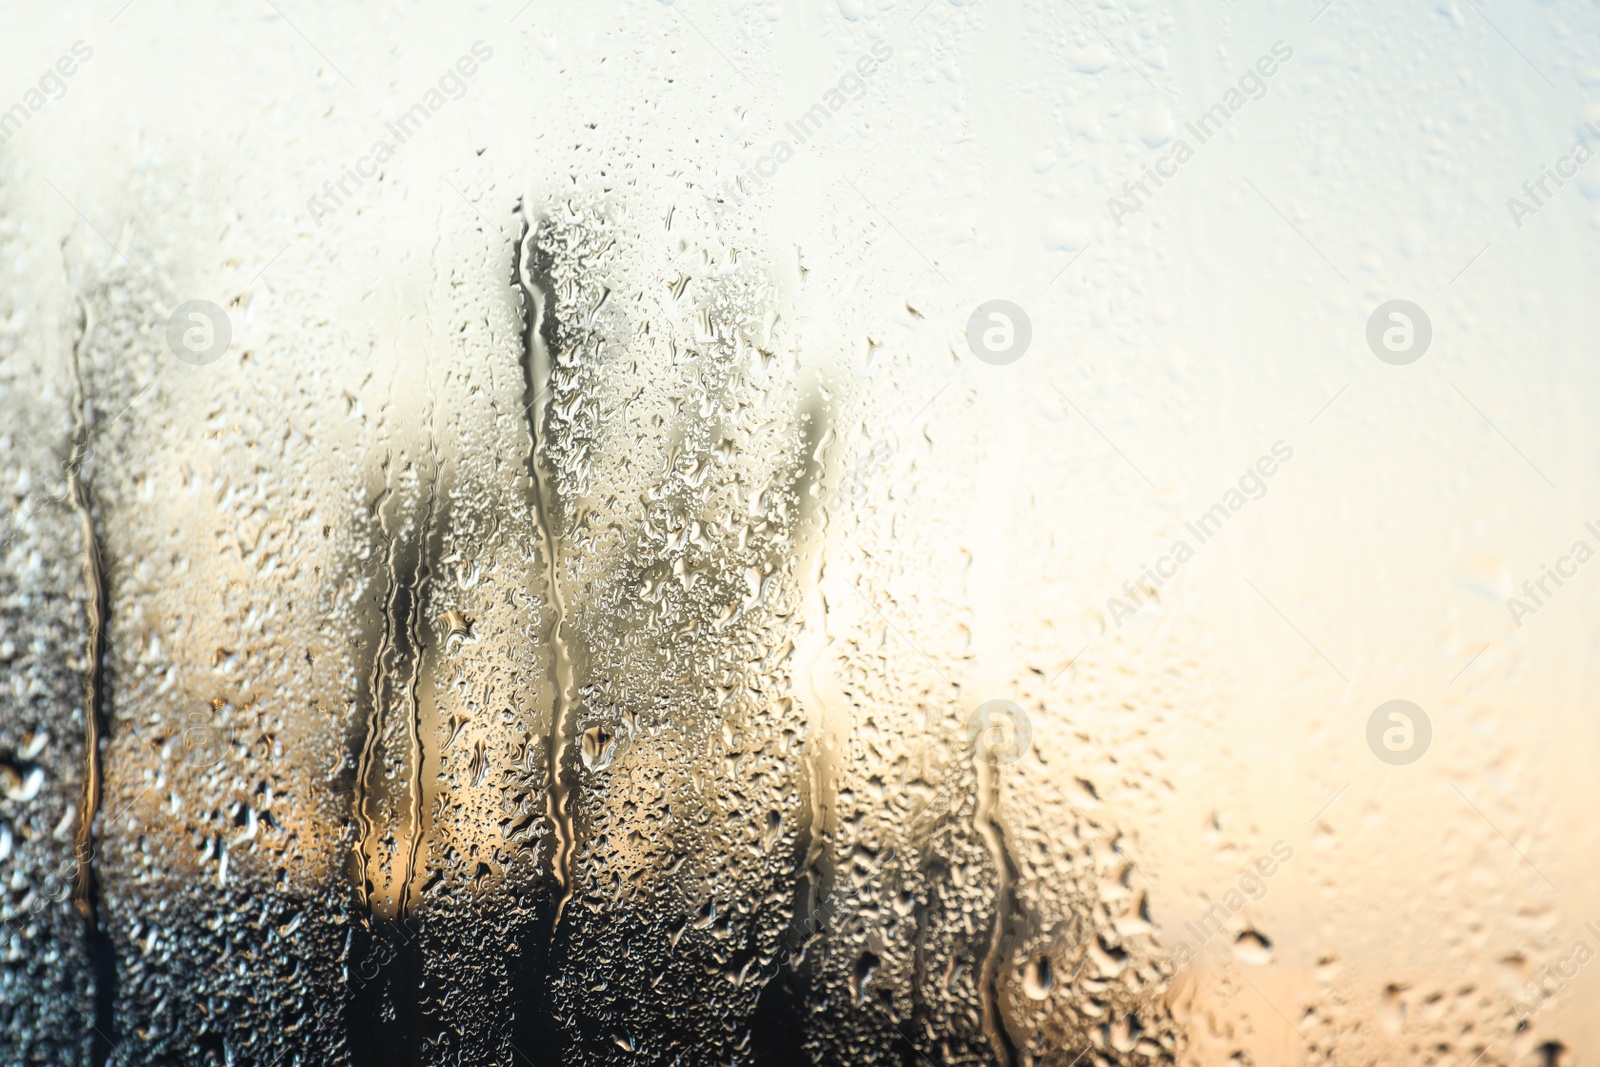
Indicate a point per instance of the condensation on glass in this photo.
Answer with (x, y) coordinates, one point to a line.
(601, 607)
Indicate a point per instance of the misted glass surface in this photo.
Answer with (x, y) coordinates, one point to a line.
(799, 533)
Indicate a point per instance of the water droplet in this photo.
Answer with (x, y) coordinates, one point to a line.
(1038, 978)
(1252, 947)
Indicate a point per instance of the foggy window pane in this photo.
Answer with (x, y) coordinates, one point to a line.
(966, 533)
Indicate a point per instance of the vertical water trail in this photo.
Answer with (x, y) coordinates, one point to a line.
(781, 1007)
(987, 823)
(394, 685)
(819, 759)
(78, 493)
(413, 688)
(386, 1022)
(537, 387)
(367, 828)
(86, 893)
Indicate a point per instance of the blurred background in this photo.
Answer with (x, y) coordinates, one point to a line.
(798, 533)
